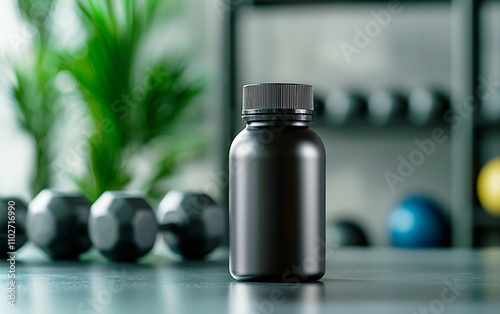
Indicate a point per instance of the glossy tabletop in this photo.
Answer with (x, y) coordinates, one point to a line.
(357, 281)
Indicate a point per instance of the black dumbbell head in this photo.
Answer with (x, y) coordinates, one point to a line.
(122, 226)
(343, 107)
(385, 107)
(199, 223)
(57, 223)
(19, 226)
(426, 106)
(347, 233)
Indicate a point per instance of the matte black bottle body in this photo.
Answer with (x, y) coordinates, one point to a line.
(277, 203)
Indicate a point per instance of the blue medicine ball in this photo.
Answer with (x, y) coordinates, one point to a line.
(419, 222)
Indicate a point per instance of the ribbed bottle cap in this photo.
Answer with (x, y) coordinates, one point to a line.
(262, 101)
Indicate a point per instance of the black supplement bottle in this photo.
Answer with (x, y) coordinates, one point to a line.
(277, 188)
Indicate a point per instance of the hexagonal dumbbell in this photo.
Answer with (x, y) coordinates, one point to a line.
(57, 223)
(123, 226)
(193, 223)
(17, 233)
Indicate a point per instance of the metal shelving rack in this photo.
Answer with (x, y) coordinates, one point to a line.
(465, 70)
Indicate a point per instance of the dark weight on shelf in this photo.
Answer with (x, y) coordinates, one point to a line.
(343, 107)
(426, 106)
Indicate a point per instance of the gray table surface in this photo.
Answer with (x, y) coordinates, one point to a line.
(357, 281)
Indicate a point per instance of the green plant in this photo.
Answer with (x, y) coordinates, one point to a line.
(34, 91)
(134, 109)
(137, 108)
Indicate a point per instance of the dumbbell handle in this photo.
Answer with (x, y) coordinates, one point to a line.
(168, 227)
